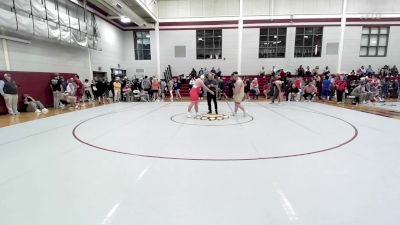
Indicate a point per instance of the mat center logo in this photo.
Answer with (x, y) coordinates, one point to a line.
(211, 117)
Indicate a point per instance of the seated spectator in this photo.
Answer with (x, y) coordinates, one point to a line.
(273, 71)
(213, 70)
(308, 71)
(352, 73)
(33, 105)
(360, 94)
(267, 90)
(326, 71)
(316, 71)
(309, 91)
(300, 71)
(394, 71)
(294, 93)
(218, 72)
(369, 71)
(262, 72)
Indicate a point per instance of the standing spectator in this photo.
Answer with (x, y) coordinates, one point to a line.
(231, 86)
(213, 70)
(154, 87)
(273, 71)
(201, 72)
(171, 89)
(247, 85)
(111, 88)
(33, 105)
(64, 84)
(163, 87)
(192, 73)
(326, 86)
(57, 89)
(79, 92)
(340, 88)
(177, 88)
(88, 90)
(101, 87)
(94, 90)
(221, 86)
(117, 89)
(9, 91)
(146, 85)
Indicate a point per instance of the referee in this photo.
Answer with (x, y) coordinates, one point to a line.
(212, 84)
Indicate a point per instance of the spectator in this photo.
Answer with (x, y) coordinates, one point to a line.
(94, 90)
(326, 71)
(309, 91)
(193, 73)
(300, 71)
(255, 88)
(369, 71)
(316, 71)
(79, 91)
(88, 90)
(64, 84)
(294, 93)
(177, 88)
(340, 89)
(171, 89)
(231, 86)
(308, 71)
(9, 91)
(262, 72)
(57, 89)
(394, 71)
(101, 87)
(326, 86)
(218, 72)
(117, 89)
(163, 87)
(247, 87)
(213, 70)
(110, 87)
(33, 105)
(201, 71)
(221, 86)
(146, 85)
(273, 71)
(360, 94)
(154, 87)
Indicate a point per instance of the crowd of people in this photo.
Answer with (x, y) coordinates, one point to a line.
(361, 85)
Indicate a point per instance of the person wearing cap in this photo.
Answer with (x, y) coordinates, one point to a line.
(117, 89)
(9, 91)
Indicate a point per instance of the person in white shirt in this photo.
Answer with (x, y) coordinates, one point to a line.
(262, 72)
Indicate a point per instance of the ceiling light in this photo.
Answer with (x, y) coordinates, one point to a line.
(125, 19)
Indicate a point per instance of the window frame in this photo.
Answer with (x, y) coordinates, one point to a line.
(311, 47)
(368, 46)
(266, 35)
(139, 53)
(215, 37)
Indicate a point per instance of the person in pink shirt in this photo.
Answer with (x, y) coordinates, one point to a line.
(309, 91)
(194, 95)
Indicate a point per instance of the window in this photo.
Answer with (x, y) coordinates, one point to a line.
(272, 43)
(374, 41)
(142, 45)
(308, 42)
(209, 44)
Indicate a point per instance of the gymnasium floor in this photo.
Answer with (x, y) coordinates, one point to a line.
(148, 164)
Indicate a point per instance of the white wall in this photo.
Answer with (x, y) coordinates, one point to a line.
(197, 8)
(149, 66)
(112, 45)
(351, 50)
(2, 60)
(171, 38)
(251, 64)
(45, 56)
(288, 7)
(368, 6)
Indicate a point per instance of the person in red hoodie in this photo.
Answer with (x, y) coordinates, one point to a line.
(340, 88)
(79, 91)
